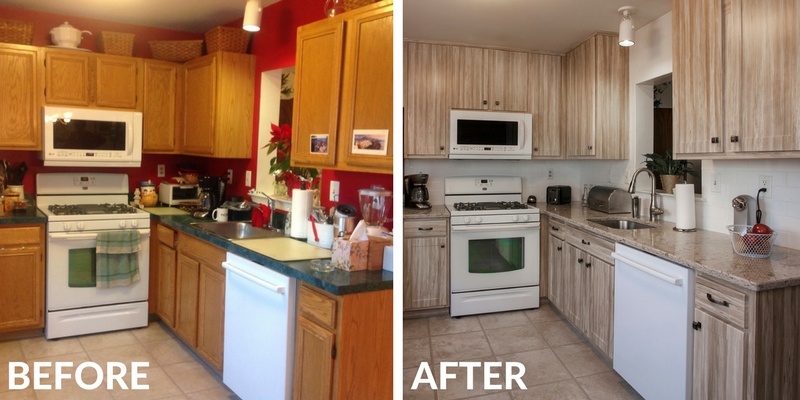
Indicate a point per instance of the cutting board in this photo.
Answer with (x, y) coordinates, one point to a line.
(284, 249)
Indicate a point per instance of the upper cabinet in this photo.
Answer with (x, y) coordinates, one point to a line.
(218, 105)
(161, 109)
(736, 80)
(545, 96)
(89, 79)
(488, 79)
(596, 104)
(343, 92)
(427, 107)
(20, 102)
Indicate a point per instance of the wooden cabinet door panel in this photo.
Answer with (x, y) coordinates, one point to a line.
(313, 364)
(425, 274)
(427, 110)
(117, 81)
(468, 81)
(611, 105)
(160, 107)
(580, 101)
(187, 277)
(67, 79)
(508, 80)
(167, 284)
(211, 314)
(21, 288)
(555, 265)
(545, 104)
(719, 354)
(20, 105)
(200, 116)
(600, 306)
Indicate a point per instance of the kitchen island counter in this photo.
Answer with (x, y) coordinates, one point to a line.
(704, 251)
(337, 282)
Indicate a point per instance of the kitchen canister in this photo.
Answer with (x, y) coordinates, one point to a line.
(149, 195)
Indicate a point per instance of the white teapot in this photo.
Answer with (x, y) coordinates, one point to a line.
(65, 35)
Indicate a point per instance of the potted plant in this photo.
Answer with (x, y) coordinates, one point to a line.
(286, 176)
(669, 169)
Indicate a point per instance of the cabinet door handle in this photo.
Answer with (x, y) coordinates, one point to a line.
(722, 303)
(697, 325)
(734, 139)
(580, 261)
(497, 102)
(558, 248)
(588, 265)
(535, 149)
(590, 147)
(714, 140)
(555, 228)
(430, 228)
(441, 246)
(441, 148)
(485, 102)
(585, 242)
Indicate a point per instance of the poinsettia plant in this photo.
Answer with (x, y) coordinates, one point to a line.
(280, 165)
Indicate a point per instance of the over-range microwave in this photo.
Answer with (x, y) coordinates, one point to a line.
(490, 135)
(85, 137)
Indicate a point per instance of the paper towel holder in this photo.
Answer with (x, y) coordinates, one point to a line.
(676, 229)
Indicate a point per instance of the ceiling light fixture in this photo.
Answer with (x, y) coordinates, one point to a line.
(626, 26)
(252, 16)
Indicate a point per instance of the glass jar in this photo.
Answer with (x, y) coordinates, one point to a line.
(334, 7)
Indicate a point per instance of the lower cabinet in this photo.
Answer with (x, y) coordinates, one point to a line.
(343, 345)
(21, 277)
(426, 270)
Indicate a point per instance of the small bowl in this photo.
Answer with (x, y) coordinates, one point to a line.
(322, 265)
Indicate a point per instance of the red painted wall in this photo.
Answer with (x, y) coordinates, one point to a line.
(274, 48)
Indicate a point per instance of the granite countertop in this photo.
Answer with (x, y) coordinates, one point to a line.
(436, 211)
(706, 252)
(337, 282)
(32, 215)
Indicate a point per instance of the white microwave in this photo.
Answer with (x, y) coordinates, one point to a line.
(490, 135)
(85, 137)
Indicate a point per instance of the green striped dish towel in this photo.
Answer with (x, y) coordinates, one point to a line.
(117, 258)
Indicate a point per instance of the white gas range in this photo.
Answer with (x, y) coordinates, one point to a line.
(79, 207)
(494, 245)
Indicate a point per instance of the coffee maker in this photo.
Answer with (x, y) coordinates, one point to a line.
(212, 192)
(415, 191)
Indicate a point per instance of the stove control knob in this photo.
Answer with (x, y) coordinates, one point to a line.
(514, 218)
(122, 224)
(525, 217)
(478, 220)
(134, 223)
(81, 226)
(67, 226)
(467, 220)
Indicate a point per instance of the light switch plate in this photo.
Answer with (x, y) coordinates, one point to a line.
(334, 191)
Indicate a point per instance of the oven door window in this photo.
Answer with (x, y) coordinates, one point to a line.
(489, 256)
(82, 267)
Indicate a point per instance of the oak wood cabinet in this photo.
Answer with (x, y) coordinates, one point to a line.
(165, 260)
(596, 104)
(218, 105)
(343, 345)
(735, 78)
(21, 277)
(427, 109)
(200, 297)
(89, 79)
(342, 115)
(426, 269)
(489, 79)
(545, 96)
(161, 106)
(20, 103)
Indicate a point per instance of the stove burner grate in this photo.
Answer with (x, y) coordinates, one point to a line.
(82, 209)
(490, 205)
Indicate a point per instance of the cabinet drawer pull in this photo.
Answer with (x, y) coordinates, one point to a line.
(734, 139)
(714, 140)
(555, 228)
(588, 265)
(430, 228)
(696, 325)
(441, 246)
(585, 242)
(485, 102)
(722, 303)
(580, 261)
(558, 248)
(497, 102)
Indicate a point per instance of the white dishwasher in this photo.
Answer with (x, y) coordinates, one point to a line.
(259, 330)
(653, 309)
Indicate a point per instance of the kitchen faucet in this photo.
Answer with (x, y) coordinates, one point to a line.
(654, 211)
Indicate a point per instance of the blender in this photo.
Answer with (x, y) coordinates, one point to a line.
(374, 208)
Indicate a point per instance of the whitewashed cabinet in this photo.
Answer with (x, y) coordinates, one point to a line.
(488, 79)
(427, 108)
(426, 270)
(545, 96)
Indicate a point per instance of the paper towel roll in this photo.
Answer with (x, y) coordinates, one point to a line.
(684, 206)
(302, 204)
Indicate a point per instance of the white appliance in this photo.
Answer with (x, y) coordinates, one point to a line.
(259, 330)
(78, 206)
(494, 245)
(653, 303)
(490, 135)
(174, 194)
(84, 137)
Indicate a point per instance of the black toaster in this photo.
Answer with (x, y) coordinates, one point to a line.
(560, 194)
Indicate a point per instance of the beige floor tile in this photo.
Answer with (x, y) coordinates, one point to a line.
(515, 339)
(581, 360)
(71, 390)
(41, 347)
(503, 320)
(12, 351)
(168, 351)
(124, 354)
(27, 394)
(416, 351)
(541, 366)
(445, 325)
(558, 333)
(160, 386)
(495, 396)
(458, 388)
(460, 347)
(607, 386)
(213, 394)
(422, 392)
(192, 376)
(546, 312)
(152, 332)
(415, 328)
(106, 340)
(561, 390)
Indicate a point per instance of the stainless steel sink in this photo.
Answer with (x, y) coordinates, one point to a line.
(621, 223)
(234, 230)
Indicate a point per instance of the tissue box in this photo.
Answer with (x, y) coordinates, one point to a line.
(359, 255)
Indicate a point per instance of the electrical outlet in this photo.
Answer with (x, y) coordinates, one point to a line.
(162, 171)
(716, 182)
(765, 181)
(248, 178)
(334, 191)
(230, 176)
(549, 173)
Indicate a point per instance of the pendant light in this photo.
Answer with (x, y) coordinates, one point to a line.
(626, 26)
(252, 16)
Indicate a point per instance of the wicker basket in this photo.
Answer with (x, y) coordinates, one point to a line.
(176, 50)
(225, 38)
(353, 4)
(16, 31)
(117, 43)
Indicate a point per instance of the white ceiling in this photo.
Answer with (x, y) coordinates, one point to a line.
(183, 15)
(544, 25)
